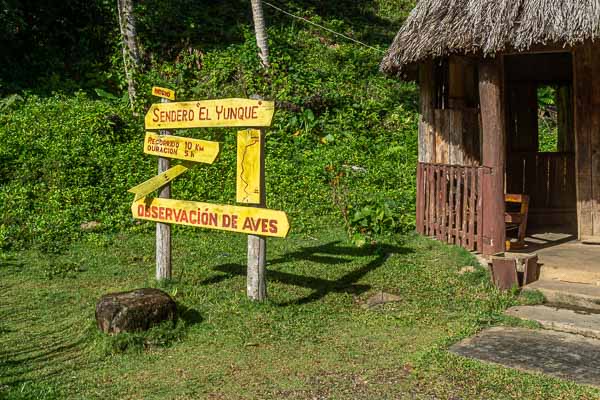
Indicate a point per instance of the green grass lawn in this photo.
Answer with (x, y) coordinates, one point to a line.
(314, 338)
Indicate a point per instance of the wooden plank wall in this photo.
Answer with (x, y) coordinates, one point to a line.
(548, 178)
(451, 135)
(426, 121)
(564, 106)
(522, 126)
(449, 176)
(449, 202)
(457, 137)
(586, 62)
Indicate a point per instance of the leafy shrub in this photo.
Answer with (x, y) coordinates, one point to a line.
(66, 161)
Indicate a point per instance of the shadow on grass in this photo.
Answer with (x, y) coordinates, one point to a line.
(32, 347)
(188, 315)
(323, 254)
(23, 361)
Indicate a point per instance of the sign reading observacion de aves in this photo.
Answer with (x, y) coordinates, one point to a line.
(249, 220)
(210, 114)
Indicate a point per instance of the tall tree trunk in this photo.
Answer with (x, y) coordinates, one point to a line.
(261, 33)
(131, 52)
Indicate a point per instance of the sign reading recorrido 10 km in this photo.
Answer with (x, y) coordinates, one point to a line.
(199, 114)
(210, 114)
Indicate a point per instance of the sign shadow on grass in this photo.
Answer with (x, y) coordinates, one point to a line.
(188, 315)
(23, 361)
(323, 254)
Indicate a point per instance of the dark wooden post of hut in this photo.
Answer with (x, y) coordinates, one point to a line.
(491, 82)
(426, 136)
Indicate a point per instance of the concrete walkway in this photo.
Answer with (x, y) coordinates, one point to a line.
(558, 354)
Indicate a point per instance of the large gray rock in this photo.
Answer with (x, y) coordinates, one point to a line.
(137, 310)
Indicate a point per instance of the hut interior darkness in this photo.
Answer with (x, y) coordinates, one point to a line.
(479, 66)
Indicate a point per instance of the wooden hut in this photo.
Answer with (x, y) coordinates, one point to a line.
(479, 64)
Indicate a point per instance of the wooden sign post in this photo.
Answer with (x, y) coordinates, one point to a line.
(251, 190)
(257, 222)
(163, 231)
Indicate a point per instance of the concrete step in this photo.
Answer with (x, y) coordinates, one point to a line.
(577, 295)
(571, 262)
(558, 354)
(580, 322)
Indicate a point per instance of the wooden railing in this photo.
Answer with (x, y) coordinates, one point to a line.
(449, 204)
(548, 178)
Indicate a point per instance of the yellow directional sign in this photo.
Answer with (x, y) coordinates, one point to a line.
(181, 148)
(164, 93)
(248, 166)
(152, 184)
(249, 220)
(210, 114)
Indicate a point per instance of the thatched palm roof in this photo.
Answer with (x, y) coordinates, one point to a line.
(440, 27)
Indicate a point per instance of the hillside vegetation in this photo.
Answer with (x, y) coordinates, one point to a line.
(342, 149)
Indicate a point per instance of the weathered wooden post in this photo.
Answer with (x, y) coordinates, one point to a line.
(491, 84)
(163, 231)
(256, 280)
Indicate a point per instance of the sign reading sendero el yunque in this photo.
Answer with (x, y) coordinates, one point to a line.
(224, 113)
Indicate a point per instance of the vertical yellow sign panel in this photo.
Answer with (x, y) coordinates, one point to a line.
(248, 166)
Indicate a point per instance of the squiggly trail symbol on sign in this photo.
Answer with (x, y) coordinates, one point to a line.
(254, 141)
(249, 144)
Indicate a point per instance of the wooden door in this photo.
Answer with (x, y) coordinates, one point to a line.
(587, 139)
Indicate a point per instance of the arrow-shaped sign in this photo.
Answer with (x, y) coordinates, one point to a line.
(152, 184)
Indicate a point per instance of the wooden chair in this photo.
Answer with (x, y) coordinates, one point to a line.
(516, 220)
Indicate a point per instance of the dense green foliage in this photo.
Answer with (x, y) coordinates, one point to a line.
(342, 147)
(65, 161)
(547, 119)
